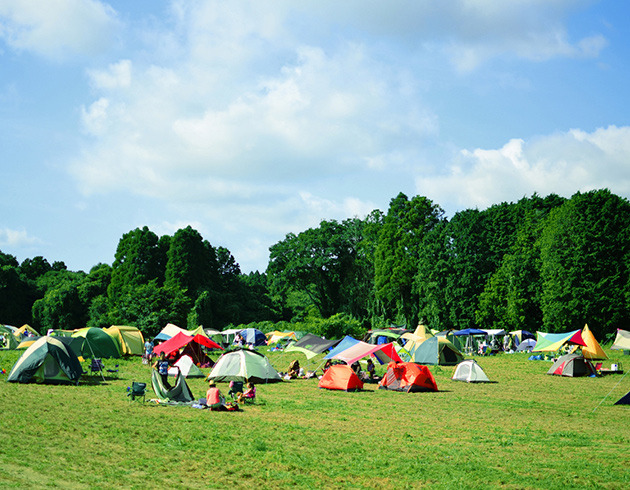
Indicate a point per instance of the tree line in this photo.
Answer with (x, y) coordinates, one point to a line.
(542, 263)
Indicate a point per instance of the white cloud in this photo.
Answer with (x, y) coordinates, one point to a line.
(117, 75)
(16, 238)
(57, 29)
(561, 163)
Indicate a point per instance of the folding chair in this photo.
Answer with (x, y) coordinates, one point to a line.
(136, 390)
(96, 366)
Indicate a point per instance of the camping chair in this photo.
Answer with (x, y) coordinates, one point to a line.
(136, 390)
(235, 388)
(96, 366)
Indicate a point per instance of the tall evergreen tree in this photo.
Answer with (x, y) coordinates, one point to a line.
(397, 255)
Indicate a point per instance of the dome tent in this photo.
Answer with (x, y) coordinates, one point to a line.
(437, 350)
(97, 343)
(470, 372)
(244, 365)
(572, 365)
(47, 360)
(409, 377)
(340, 377)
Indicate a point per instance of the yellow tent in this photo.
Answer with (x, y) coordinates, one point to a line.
(130, 339)
(592, 349)
(273, 337)
(20, 332)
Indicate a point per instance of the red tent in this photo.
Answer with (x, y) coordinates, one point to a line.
(409, 377)
(180, 340)
(340, 377)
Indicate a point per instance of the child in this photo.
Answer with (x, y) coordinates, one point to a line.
(248, 395)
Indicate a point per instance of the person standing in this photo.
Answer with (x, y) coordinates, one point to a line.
(162, 366)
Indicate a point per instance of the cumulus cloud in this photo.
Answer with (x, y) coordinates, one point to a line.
(561, 163)
(16, 238)
(57, 29)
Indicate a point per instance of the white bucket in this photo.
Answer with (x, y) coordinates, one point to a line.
(614, 367)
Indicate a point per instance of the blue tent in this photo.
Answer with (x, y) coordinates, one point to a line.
(253, 336)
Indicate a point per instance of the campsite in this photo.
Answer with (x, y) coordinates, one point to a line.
(526, 429)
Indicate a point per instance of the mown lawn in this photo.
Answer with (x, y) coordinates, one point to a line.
(527, 430)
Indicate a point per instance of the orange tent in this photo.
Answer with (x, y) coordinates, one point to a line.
(409, 377)
(592, 349)
(340, 377)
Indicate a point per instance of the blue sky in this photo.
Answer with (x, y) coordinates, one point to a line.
(248, 120)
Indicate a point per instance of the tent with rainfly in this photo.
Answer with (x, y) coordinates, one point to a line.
(244, 365)
(8, 340)
(572, 365)
(96, 343)
(130, 339)
(47, 360)
(187, 367)
(340, 377)
(470, 372)
(437, 350)
(409, 377)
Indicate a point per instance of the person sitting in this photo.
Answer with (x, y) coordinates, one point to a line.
(371, 370)
(294, 369)
(248, 395)
(214, 398)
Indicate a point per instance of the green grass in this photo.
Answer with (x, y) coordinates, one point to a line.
(527, 430)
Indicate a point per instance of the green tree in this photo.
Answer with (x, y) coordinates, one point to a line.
(320, 263)
(585, 252)
(191, 263)
(138, 260)
(397, 255)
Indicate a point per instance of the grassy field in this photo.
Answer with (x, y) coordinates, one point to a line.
(527, 430)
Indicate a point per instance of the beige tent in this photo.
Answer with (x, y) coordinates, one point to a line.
(592, 349)
(129, 339)
(622, 341)
(413, 340)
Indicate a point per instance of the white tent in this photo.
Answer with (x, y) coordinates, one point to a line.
(622, 341)
(526, 346)
(187, 367)
(470, 372)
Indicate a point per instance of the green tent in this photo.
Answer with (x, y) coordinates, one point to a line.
(7, 339)
(244, 365)
(437, 350)
(178, 393)
(97, 343)
(46, 361)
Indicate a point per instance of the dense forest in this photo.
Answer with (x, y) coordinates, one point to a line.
(542, 263)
